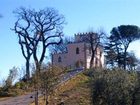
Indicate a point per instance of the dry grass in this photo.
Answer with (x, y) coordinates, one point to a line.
(73, 92)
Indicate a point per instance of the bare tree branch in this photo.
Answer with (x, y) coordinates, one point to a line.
(37, 28)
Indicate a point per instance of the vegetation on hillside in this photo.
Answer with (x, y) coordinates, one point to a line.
(75, 91)
(99, 87)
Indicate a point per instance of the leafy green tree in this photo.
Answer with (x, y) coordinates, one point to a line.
(120, 39)
(113, 54)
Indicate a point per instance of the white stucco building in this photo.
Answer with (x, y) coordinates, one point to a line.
(78, 54)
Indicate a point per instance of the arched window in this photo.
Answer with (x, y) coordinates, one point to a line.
(59, 59)
(77, 50)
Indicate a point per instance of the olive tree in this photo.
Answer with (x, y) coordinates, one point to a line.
(115, 87)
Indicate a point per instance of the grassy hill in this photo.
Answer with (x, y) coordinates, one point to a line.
(74, 92)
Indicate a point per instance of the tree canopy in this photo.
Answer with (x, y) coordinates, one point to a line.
(120, 39)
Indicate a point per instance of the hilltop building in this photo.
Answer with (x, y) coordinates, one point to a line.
(78, 54)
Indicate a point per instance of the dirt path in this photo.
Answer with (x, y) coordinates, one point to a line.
(20, 100)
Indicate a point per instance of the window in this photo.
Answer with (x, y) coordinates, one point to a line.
(77, 50)
(59, 59)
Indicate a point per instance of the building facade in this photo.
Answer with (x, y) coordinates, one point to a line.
(78, 54)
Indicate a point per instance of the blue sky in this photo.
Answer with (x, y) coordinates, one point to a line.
(81, 15)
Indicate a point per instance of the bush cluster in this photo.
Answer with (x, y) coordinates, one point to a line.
(114, 87)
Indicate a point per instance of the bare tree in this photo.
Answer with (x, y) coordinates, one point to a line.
(62, 47)
(94, 40)
(48, 26)
(38, 29)
(23, 32)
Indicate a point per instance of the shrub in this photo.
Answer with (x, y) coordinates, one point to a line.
(114, 87)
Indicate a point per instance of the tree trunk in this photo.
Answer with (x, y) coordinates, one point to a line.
(92, 59)
(38, 67)
(37, 73)
(27, 69)
(91, 62)
(36, 98)
(124, 62)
